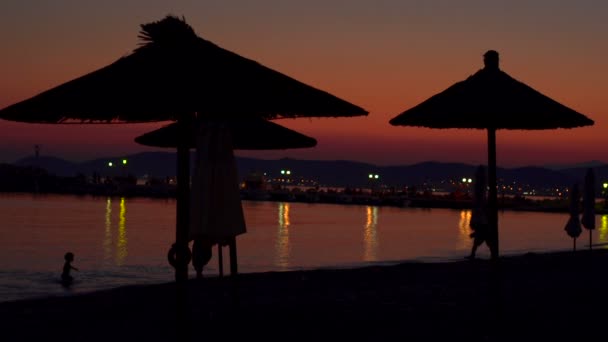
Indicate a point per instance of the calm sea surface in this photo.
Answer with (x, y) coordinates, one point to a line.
(124, 241)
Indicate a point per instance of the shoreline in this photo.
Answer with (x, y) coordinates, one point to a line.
(525, 297)
(557, 205)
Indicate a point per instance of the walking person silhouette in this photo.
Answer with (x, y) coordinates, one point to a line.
(479, 217)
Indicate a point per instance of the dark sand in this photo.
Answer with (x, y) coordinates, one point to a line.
(535, 297)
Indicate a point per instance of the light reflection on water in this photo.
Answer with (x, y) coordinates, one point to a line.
(282, 244)
(603, 229)
(370, 236)
(464, 229)
(114, 246)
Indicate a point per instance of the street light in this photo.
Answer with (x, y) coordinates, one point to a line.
(110, 164)
(124, 162)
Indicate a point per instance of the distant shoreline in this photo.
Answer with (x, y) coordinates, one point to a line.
(427, 200)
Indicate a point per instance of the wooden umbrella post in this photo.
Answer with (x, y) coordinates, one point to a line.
(492, 195)
(220, 259)
(183, 202)
(233, 258)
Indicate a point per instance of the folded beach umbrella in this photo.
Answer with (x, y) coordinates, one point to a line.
(573, 227)
(176, 75)
(588, 219)
(491, 100)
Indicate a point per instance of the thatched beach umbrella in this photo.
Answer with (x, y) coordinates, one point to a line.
(216, 215)
(247, 134)
(176, 75)
(491, 100)
(588, 218)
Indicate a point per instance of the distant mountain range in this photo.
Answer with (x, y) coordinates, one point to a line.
(329, 173)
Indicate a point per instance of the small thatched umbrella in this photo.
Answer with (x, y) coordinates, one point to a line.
(176, 75)
(588, 219)
(573, 227)
(247, 134)
(216, 215)
(491, 99)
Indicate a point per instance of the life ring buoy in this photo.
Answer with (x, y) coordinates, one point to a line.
(173, 259)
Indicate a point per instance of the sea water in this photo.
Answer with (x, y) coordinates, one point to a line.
(121, 241)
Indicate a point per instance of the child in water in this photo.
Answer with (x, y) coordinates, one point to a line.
(66, 278)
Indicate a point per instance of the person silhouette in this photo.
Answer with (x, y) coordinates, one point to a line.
(479, 236)
(201, 254)
(479, 216)
(66, 278)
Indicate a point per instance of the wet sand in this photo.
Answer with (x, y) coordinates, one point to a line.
(554, 296)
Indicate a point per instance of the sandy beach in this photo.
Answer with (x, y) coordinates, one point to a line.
(530, 297)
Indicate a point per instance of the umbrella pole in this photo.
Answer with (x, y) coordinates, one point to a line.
(492, 194)
(220, 259)
(233, 261)
(183, 202)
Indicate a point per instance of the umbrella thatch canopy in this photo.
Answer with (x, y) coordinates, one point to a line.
(173, 73)
(490, 99)
(247, 134)
(176, 75)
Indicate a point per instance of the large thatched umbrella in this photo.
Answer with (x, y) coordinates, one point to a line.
(225, 204)
(491, 99)
(176, 75)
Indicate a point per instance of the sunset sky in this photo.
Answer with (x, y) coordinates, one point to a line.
(385, 56)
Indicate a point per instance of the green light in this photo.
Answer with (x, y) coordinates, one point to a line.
(110, 164)
(605, 185)
(124, 162)
(282, 172)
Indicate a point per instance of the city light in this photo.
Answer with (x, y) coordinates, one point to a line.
(110, 164)
(376, 176)
(371, 176)
(464, 180)
(469, 180)
(288, 172)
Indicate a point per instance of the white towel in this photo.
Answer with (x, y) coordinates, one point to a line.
(215, 206)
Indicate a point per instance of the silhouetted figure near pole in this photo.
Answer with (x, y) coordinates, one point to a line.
(201, 254)
(66, 278)
(479, 218)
